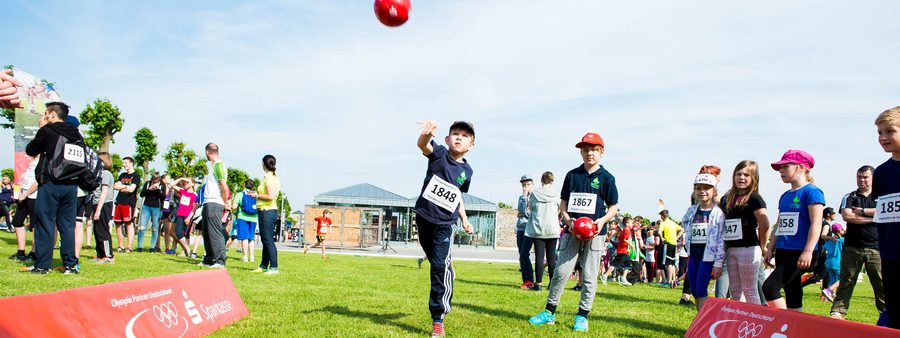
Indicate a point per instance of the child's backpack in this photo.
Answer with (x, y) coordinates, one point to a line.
(248, 204)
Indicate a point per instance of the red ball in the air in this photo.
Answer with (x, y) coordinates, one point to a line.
(392, 13)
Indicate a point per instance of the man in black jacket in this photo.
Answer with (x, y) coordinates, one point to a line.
(56, 201)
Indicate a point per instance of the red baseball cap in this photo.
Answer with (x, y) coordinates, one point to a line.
(591, 138)
(795, 157)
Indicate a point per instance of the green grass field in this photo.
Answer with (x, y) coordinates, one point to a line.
(355, 296)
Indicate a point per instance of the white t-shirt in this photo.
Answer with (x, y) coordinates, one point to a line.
(29, 178)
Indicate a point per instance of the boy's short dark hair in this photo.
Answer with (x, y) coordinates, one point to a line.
(60, 109)
(325, 212)
(463, 125)
(129, 159)
(866, 168)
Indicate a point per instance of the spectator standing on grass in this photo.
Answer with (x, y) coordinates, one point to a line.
(215, 203)
(154, 192)
(56, 202)
(102, 198)
(542, 230)
(6, 200)
(832, 251)
(860, 246)
(123, 215)
(266, 195)
(247, 219)
(524, 214)
(26, 208)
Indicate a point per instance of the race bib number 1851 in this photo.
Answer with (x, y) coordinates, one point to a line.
(443, 194)
(887, 209)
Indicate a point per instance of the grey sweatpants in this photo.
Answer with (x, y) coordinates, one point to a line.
(588, 253)
(213, 234)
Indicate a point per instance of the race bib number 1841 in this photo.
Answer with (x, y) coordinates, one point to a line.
(443, 194)
(887, 209)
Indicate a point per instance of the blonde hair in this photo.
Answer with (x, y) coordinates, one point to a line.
(742, 199)
(547, 177)
(890, 116)
(809, 177)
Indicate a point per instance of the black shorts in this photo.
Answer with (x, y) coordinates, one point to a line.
(81, 208)
(320, 238)
(621, 261)
(182, 229)
(671, 257)
(25, 209)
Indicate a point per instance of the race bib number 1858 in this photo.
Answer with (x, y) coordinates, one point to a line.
(443, 194)
(887, 209)
(788, 222)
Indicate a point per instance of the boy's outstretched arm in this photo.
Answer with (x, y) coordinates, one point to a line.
(427, 128)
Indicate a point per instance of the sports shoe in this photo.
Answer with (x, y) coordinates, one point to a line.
(259, 270)
(437, 330)
(170, 252)
(14, 256)
(271, 272)
(603, 280)
(72, 271)
(664, 285)
(252, 259)
(420, 260)
(128, 251)
(120, 250)
(685, 302)
(581, 324)
(202, 264)
(194, 255)
(104, 261)
(244, 259)
(140, 250)
(217, 266)
(543, 318)
(536, 287)
(526, 285)
(624, 282)
(577, 288)
(837, 315)
(34, 270)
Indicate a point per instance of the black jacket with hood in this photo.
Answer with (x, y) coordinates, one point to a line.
(44, 144)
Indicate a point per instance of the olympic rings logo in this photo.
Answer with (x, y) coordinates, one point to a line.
(746, 330)
(166, 313)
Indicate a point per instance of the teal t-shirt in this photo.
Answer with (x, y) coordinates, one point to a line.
(236, 204)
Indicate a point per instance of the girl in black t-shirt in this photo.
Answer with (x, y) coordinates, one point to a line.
(746, 232)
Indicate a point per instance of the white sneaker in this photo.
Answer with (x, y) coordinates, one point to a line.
(252, 259)
(624, 282)
(244, 259)
(271, 272)
(217, 266)
(603, 280)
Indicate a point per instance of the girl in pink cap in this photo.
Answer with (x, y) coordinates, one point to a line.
(797, 231)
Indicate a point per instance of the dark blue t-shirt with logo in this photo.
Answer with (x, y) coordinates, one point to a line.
(600, 183)
(797, 201)
(446, 171)
(886, 181)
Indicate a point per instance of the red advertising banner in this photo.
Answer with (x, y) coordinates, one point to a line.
(721, 318)
(184, 305)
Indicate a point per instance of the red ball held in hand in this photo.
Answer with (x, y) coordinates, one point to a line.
(392, 13)
(584, 228)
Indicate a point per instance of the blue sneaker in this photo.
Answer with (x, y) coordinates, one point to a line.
(543, 318)
(581, 324)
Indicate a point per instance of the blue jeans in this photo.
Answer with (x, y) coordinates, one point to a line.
(525, 245)
(153, 214)
(267, 237)
(57, 207)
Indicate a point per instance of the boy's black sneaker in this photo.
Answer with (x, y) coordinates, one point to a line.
(536, 288)
(71, 271)
(140, 250)
(577, 288)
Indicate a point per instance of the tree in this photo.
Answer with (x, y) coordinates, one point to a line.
(236, 178)
(104, 120)
(8, 172)
(181, 162)
(287, 203)
(146, 149)
(504, 205)
(116, 163)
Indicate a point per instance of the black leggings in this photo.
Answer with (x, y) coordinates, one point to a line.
(786, 276)
(4, 212)
(890, 275)
(544, 247)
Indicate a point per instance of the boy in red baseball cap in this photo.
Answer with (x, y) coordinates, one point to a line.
(588, 191)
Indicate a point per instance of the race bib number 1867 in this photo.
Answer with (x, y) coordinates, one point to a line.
(582, 203)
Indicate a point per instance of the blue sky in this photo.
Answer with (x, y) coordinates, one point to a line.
(335, 96)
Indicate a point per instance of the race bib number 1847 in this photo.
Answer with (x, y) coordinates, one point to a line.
(443, 194)
(734, 229)
(887, 209)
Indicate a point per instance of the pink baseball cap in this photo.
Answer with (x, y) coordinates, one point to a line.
(837, 226)
(795, 157)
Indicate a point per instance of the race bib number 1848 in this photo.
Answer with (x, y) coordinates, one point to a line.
(443, 194)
